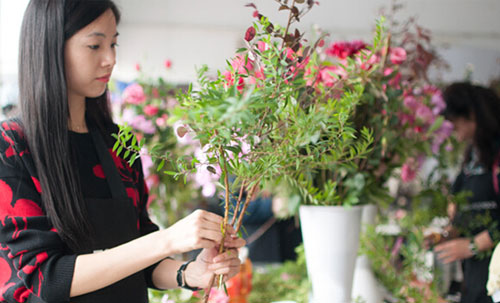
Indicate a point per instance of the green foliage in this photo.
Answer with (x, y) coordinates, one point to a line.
(397, 270)
(285, 282)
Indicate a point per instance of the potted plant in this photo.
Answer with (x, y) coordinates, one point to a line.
(264, 119)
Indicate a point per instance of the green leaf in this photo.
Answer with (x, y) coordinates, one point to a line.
(436, 125)
(160, 166)
(117, 143)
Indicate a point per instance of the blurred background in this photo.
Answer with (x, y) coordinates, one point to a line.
(190, 33)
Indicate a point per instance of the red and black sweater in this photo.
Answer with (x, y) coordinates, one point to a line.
(35, 264)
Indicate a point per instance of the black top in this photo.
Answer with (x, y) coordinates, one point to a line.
(482, 212)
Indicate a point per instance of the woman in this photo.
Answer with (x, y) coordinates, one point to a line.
(475, 113)
(73, 219)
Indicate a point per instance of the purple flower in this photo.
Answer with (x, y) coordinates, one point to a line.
(438, 102)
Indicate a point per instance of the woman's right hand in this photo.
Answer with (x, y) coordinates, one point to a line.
(201, 229)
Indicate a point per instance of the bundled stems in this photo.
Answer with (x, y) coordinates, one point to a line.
(224, 227)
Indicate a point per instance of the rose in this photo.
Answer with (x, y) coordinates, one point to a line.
(134, 94)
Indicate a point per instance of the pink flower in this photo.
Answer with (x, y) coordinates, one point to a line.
(168, 64)
(262, 46)
(155, 92)
(229, 79)
(438, 102)
(239, 65)
(150, 110)
(285, 277)
(138, 67)
(140, 123)
(443, 133)
(410, 102)
(366, 59)
(424, 114)
(321, 43)
(147, 163)
(398, 55)
(328, 75)
(162, 121)
(388, 71)
(255, 14)
(218, 296)
(134, 94)
(409, 170)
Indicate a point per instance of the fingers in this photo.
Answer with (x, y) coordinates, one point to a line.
(234, 242)
(227, 263)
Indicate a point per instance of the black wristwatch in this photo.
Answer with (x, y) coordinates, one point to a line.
(473, 247)
(181, 277)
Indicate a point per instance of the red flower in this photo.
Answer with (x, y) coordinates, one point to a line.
(150, 110)
(344, 49)
(250, 34)
(256, 14)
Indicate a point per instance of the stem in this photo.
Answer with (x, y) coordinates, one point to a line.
(288, 25)
(240, 197)
(206, 295)
(247, 201)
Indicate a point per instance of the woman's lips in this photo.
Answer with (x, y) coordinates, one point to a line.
(104, 79)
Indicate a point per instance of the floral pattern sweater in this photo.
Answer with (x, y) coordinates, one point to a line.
(35, 264)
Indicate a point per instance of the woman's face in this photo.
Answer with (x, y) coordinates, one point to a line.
(89, 57)
(465, 129)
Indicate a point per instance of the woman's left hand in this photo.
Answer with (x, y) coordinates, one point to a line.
(453, 250)
(210, 262)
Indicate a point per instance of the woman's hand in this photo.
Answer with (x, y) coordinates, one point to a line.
(209, 262)
(201, 229)
(454, 250)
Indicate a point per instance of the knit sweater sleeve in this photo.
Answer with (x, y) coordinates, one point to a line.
(35, 264)
(145, 224)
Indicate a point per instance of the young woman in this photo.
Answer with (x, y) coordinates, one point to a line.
(475, 113)
(73, 219)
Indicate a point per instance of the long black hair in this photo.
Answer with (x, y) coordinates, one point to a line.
(465, 100)
(46, 27)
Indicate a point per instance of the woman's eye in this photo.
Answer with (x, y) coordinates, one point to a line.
(94, 47)
(114, 45)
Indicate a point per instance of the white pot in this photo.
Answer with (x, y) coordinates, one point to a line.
(365, 285)
(331, 240)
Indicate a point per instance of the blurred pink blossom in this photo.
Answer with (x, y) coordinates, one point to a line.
(398, 55)
(438, 102)
(408, 171)
(262, 46)
(424, 114)
(134, 94)
(162, 121)
(142, 124)
(150, 110)
(203, 177)
(218, 296)
(239, 65)
(137, 67)
(167, 63)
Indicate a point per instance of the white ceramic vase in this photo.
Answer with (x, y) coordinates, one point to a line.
(365, 285)
(331, 241)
